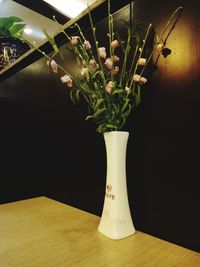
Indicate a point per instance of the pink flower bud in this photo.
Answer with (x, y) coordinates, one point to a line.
(66, 79)
(142, 61)
(128, 90)
(116, 59)
(87, 45)
(136, 77)
(159, 48)
(92, 64)
(54, 66)
(109, 63)
(74, 40)
(109, 87)
(143, 80)
(115, 70)
(102, 52)
(83, 71)
(115, 44)
(139, 79)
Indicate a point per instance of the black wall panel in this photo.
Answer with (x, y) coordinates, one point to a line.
(46, 147)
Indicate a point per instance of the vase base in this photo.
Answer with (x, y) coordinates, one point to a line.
(116, 235)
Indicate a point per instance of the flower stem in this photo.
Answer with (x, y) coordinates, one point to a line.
(96, 46)
(110, 28)
(141, 51)
(49, 58)
(176, 14)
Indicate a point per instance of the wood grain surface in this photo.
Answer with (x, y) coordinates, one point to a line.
(41, 232)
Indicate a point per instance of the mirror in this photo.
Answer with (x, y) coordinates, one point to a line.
(12, 52)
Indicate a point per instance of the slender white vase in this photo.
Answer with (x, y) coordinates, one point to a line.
(116, 221)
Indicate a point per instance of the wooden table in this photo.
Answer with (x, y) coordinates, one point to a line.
(41, 232)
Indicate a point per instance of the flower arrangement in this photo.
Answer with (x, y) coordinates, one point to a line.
(109, 79)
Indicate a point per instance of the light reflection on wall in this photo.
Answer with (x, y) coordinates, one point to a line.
(182, 64)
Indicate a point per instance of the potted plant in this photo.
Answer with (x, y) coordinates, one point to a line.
(11, 45)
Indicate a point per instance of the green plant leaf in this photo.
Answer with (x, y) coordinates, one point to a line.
(128, 111)
(115, 108)
(98, 103)
(139, 94)
(96, 114)
(118, 91)
(85, 87)
(14, 19)
(111, 126)
(51, 41)
(17, 30)
(99, 112)
(77, 95)
(96, 87)
(7, 23)
(125, 104)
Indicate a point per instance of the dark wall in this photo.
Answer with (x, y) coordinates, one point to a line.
(48, 149)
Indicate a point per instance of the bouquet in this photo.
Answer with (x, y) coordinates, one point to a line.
(109, 78)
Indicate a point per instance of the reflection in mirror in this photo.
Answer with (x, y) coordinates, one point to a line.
(18, 22)
(11, 44)
(33, 25)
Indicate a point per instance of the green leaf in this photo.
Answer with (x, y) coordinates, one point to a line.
(85, 87)
(111, 126)
(17, 30)
(101, 128)
(98, 103)
(118, 91)
(115, 107)
(89, 117)
(128, 49)
(128, 111)
(51, 41)
(125, 104)
(101, 74)
(136, 100)
(96, 87)
(139, 94)
(123, 122)
(72, 95)
(96, 114)
(112, 115)
(14, 19)
(99, 112)
(7, 22)
(77, 95)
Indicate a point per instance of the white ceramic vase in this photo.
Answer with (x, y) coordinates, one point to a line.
(116, 221)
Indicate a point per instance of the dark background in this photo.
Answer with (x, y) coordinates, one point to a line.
(47, 148)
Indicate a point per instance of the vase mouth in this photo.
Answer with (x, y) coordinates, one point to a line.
(116, 133)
